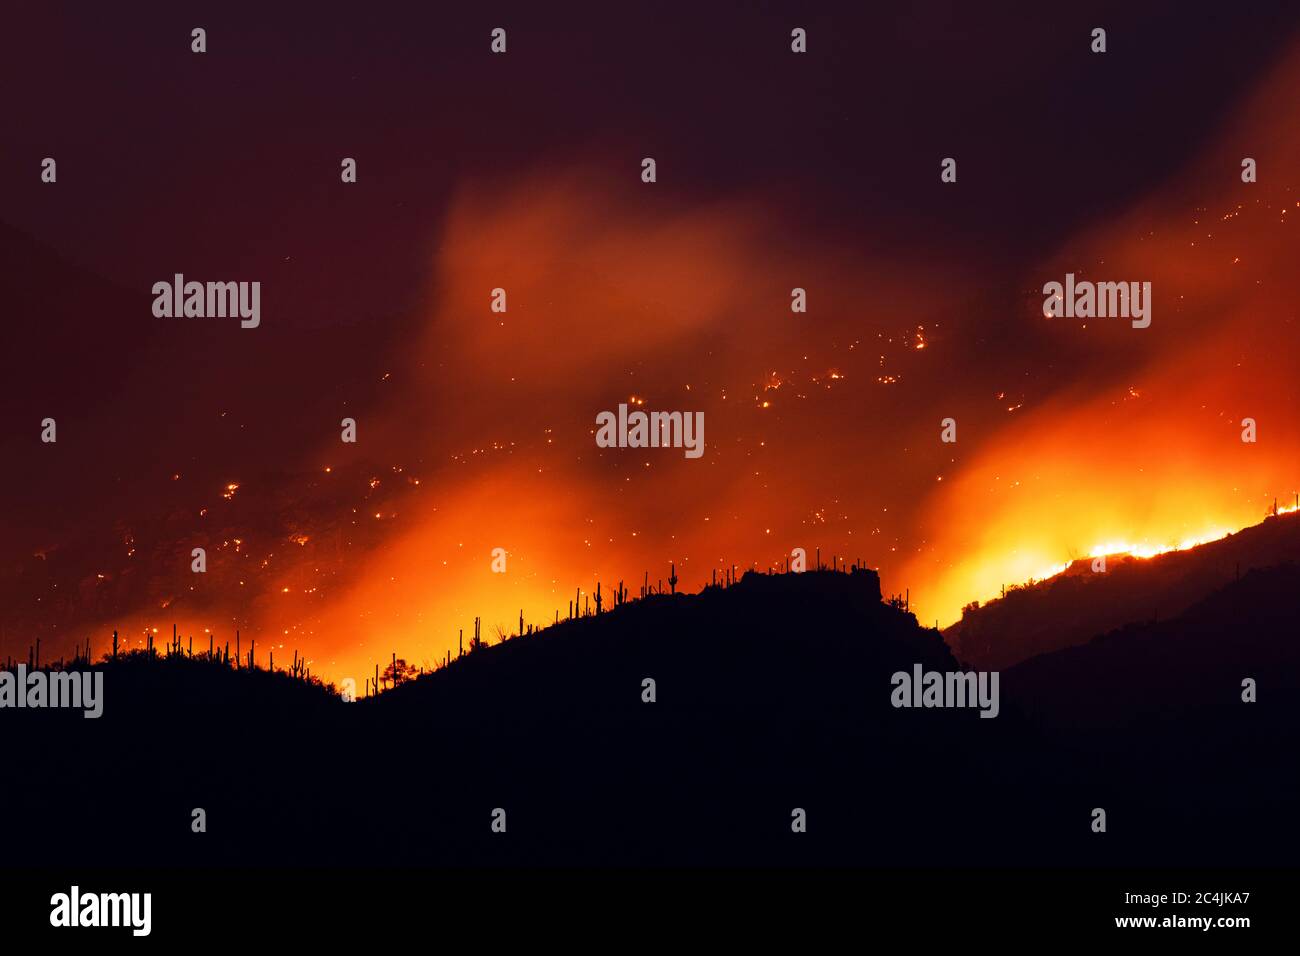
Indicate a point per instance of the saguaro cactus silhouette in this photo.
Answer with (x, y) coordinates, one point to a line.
(672, 577)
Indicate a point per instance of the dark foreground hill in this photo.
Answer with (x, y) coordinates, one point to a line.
(1078, 604)
(770, 696)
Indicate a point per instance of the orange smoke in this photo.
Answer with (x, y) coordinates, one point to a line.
(1149, 456)
(822, 427)
(612, 296)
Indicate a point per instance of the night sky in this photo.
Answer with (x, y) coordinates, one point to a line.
(521, 171)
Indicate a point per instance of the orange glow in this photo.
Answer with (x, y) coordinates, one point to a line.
(1141, 456)
(1150, 459)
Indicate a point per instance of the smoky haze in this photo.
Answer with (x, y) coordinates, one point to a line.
(476, 430)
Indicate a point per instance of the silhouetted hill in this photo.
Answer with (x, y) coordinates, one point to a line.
(770, 695)
(1077, 604)
(1244, 630)
(1150, 718)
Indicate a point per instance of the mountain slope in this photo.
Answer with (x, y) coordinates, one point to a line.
(1078, 604)
(771, 696)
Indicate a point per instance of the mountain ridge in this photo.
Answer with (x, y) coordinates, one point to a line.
(1074, 606)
